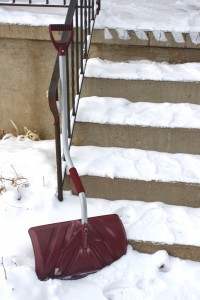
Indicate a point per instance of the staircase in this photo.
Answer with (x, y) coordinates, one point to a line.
(163, 144)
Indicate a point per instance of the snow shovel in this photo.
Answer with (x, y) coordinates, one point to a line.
(73, 249)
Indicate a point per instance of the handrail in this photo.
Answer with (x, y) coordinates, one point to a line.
(41, 3)
(81, 14)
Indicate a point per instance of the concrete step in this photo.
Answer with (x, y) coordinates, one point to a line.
(173, 193)
(146, 38)
(117, 122)
(182, 251)
(176, 140)
(159, 54)
(142, 90)
(122, 45)
(142, 81)
(117, 173)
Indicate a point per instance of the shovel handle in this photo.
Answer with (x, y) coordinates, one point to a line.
(61, 46)
(81, 192)
(76, 180)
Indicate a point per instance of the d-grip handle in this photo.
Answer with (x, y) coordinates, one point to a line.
(61, 46)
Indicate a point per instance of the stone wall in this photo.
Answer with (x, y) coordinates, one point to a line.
(26, 63)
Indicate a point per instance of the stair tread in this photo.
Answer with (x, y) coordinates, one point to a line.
(113, 162)
(143, 70)
(159, 222)
(110, 110)
(152, 15)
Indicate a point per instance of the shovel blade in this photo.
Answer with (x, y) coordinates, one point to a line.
(72, 250)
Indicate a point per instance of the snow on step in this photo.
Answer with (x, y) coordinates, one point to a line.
(143, 70)
(108, 110)
(136, 164)
(170, 15)
(158, 222)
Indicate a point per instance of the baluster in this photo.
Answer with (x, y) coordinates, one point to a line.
(85, 22)
(98, 2)
(81, 36)
(68, 96)
(77, 51)
(89, 16)
(72, 76)
(93, 10)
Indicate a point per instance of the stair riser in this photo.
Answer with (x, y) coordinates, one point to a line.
(125, 53)
(177, 250)
(141, 38)
(143, 90)
(176, 140)
(149, 191)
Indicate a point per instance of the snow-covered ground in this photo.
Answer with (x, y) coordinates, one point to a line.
(127, 14)
(134, 276)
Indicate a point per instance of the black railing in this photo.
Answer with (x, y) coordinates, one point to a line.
(36, 3)
(81, 14)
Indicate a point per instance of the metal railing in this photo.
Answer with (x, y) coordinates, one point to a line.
(42, 3)
(80, 16)
(36, 3)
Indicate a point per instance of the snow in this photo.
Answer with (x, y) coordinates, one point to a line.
(137, 164)
(108, 110)
(126, 14)
(160, 35)
(35, 16)
(141, 35)
(150, 15)
(123, 34)
(107, 34)
(135, 275)
(143, 70)
(195, 38)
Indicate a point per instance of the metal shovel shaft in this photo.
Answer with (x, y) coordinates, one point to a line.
(63, 80)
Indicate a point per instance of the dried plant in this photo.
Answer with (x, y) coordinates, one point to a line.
(2, 133)
(32, 135)
(16, 182)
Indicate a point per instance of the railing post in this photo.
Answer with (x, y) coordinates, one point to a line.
(86, 29)
(72, 76)
(98, 2)
(89, 16)
(68, 94)
(81, 21)
(93, 10)
(77, 52)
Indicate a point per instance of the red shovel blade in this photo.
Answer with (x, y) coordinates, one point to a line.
(71, 250)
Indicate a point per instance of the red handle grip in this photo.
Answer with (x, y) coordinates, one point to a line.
(76, 180)
(61, 46)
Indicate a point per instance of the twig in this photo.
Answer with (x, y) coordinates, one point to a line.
(14, 171)
(14, 181)
(15, 126)
(4, 268)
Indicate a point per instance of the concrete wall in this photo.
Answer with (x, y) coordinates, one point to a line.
(26, 63)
